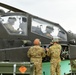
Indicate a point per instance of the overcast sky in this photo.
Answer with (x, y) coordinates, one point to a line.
(62, 12)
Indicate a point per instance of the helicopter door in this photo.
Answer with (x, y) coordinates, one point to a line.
(72, 51)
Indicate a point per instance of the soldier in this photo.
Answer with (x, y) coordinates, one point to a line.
(10, 23)
(54, 54)
(35, 53)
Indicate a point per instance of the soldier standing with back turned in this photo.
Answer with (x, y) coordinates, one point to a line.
(54, 53)
(35, 53)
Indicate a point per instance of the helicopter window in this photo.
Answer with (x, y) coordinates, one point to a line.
(47, 30)
(15, 24)
(62, 35)
(23, 25)
(41, 28)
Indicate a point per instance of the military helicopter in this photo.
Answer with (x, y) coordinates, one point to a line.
(15, 42)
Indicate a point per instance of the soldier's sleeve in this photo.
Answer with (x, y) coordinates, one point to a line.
(43, 53)
(28, 53)
(60, 48)
(48, 52)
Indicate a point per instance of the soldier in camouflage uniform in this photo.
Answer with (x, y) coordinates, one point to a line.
(54, 53)
(35, 53)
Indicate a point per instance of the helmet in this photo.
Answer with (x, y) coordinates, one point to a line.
(36, 42)
(13, 18)
(56, 39)
(2, 11)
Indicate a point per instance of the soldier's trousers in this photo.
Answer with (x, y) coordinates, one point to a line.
(55, 68)
(37, 66)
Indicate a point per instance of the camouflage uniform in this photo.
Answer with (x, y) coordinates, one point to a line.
(54, 53)
(36, 53)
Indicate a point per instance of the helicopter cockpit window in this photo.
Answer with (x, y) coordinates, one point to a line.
(47, 30)
(15, 24)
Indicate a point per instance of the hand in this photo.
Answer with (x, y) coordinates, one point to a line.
(47, 49)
